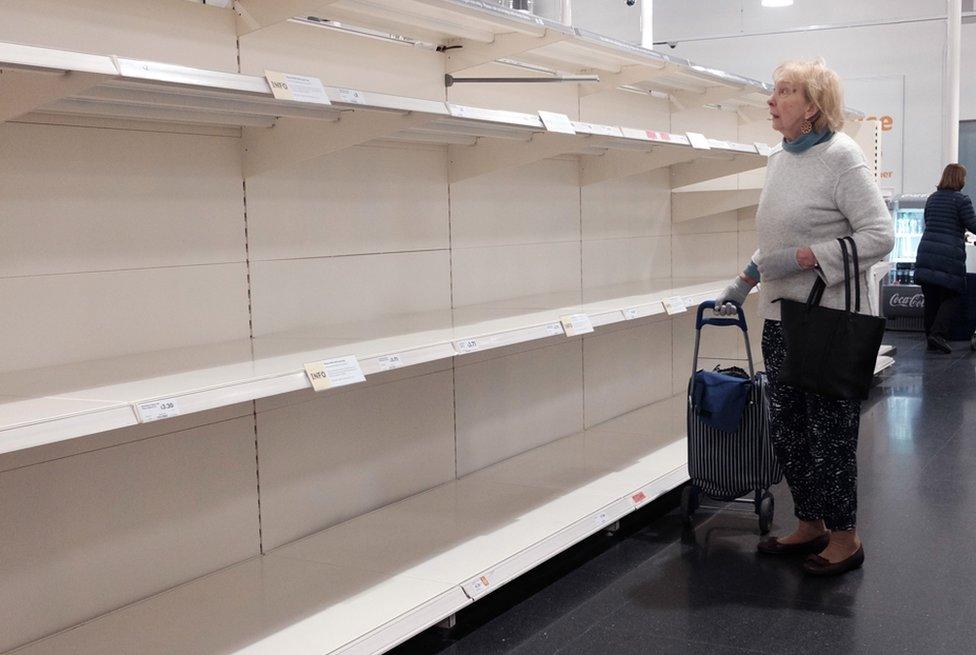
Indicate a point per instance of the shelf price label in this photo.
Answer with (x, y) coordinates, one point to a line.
(389, 362)
(631, 313)
(689, 301)
(465, 346)
(477, 587)
(555, 122)
(601, 519)
(633, 133)
(554, 329)
(576, 324)
(763, 149)
(639, 497)
(658, 136)
(351, 96)
(675, 305)
(298, 88)
(335, 372)
(698, 141)
(157, 410)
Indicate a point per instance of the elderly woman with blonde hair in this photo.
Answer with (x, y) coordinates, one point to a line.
(818, 189)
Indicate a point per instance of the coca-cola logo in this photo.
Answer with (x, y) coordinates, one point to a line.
(915, 301)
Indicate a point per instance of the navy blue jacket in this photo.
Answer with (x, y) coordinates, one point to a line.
(941, 255)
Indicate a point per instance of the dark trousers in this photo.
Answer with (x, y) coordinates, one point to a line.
(815, 439)
(941, 309)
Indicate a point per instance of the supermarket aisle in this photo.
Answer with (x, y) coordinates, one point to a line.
(654, 588)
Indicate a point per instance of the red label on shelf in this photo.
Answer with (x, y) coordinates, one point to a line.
(659, 136)
(639, 497)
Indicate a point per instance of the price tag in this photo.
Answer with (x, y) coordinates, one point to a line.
(351, 96)
(689, 301)
(554, 329)
(337, 372)
(458, 111)
(658, 136)
(763, 149)
(577, 324)
(639, 497)
(631, 313)
(674, 305)
(477, 587)
(559, 123)
(299, 88)
(157, 410)
(631, 133)
(389, 362)
(601, 518)
(465, 346)
(698, 141)
(601, 130)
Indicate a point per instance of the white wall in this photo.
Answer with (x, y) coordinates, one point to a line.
(693, 19)
(873, 60)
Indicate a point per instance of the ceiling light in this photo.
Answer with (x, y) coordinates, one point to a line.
(777, 3)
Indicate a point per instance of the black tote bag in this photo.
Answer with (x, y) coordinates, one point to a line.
(831, 352)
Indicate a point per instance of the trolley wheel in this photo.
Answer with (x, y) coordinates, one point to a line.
(690, 500)
(766, 508)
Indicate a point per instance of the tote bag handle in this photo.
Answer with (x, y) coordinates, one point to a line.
(816, 293)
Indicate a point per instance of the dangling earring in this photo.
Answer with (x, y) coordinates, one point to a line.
(806, 127)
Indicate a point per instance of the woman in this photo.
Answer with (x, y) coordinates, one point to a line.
(940, 266)
(818, 189)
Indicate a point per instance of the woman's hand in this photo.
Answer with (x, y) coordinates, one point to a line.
(805, 258)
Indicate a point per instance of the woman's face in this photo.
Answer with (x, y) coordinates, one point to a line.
(788, 107)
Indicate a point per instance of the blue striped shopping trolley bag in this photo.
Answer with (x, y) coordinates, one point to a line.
(730, 456)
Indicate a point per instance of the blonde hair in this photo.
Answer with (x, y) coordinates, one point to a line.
(821, 86)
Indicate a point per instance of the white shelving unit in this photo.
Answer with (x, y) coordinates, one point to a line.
(41, 410)
(372, 582)
(174, 233)
(74, 400)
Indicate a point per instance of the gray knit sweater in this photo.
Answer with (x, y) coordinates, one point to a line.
(812, 199)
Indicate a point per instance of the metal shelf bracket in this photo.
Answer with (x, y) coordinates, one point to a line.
(21, 92)
(626, 163)
(292, 141)
(489, 155)
(709, 169)
(689, 205)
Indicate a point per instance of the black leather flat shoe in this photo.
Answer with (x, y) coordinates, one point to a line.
(939, 344)
(773, 546)
(817, 565)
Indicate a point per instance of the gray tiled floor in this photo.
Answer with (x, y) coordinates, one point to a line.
(657, 588)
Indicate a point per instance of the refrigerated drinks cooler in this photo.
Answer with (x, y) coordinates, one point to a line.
(901, 298)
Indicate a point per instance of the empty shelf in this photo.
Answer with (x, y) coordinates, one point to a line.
(57, 82)
(42, 406)
(369, 583)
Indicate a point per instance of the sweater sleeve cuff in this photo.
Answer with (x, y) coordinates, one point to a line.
(830, 261)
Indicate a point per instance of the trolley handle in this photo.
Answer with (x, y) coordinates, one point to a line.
(739, 320)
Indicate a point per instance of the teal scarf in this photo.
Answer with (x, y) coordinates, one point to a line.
(804, 142)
